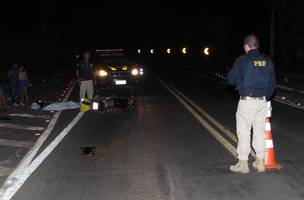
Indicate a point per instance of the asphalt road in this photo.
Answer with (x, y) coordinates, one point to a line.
(160, 151)
(20, 127)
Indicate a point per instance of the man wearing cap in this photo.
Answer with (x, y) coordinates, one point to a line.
(85, 76)
(254, 77)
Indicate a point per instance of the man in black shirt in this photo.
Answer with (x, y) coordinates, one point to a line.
(85, 75)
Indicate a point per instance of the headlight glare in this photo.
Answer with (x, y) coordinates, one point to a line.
(102, 73)
(134, 72)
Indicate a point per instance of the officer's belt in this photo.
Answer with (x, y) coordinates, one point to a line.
(252, 98)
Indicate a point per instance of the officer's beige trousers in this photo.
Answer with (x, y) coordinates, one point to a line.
(86, 87)
(251, 114)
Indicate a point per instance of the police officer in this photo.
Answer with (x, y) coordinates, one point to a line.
(254, 77)
(85, 76)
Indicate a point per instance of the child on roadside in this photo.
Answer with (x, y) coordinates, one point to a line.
(23, 83)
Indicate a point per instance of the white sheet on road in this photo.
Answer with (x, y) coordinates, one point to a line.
(62, 106)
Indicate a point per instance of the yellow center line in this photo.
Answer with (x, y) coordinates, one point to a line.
(203, 122)
(221, 127)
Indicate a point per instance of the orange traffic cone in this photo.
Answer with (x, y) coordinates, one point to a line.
(270, 161)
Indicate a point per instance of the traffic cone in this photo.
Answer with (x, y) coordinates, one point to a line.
(270, 161)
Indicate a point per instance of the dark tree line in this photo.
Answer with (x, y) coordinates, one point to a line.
(288, 36)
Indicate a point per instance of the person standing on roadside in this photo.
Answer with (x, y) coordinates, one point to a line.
(23, 84)
(2, 97)
(253, 75)
(14, 83)
(85, 76)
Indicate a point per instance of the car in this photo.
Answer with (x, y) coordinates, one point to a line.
(115, 77)
(114, 68)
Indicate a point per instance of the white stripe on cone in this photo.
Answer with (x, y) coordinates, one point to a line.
(269, 109)
(269, 144)
(267, 126)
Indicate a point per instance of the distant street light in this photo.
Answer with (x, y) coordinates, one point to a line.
(207, 51)
(169, 51)
(139, 51)
(152, 51)
(184, 50)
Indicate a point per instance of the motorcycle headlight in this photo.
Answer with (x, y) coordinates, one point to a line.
(134, 72)
(102, 73)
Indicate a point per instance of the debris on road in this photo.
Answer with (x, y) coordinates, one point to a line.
(88, 151)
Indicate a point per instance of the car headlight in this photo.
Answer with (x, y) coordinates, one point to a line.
(102, 73)
(125, 68)
(134, 72)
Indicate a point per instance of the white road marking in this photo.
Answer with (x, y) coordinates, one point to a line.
(21, 127)
(34, 150)
(28, 115)
(16, 143)
(203, 122)
(16, 184)
(230, 134)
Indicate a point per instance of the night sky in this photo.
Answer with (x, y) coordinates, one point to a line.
(140, 22)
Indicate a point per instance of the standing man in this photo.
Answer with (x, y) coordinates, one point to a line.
(14, 83)
(254, 77)
(85, 75)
